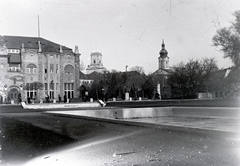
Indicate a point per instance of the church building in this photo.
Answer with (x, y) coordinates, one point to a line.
(162, 73)
(33, 68)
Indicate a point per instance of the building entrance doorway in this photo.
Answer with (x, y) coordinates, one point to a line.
(13, 94)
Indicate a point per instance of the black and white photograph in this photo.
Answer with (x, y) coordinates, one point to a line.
(120, 82)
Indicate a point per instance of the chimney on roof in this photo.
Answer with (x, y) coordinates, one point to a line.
(22, 49)
(39, 47)
(76, 50)
(61, 51)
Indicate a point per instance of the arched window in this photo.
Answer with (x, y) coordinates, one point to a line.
(31, 68)
(68, 69)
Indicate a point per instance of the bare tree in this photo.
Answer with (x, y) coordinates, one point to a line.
(82, 65)
(228, 40)
(187, 79)
(138, 69)
(114, 71)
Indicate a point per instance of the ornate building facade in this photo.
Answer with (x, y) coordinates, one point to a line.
(33, 67)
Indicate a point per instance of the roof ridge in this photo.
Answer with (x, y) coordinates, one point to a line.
(28, 40)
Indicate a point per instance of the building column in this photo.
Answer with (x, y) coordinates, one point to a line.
(54, 78)
(43, 74)
(48, 75)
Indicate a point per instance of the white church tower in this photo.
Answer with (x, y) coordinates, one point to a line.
(96, 63)
(163, 59)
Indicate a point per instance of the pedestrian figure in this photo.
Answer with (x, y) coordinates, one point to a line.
(157, 95)
(59, 98)
(65, 98)
(47, 99)
(19, 98)
(28, 100)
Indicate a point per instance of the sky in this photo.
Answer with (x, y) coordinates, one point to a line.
(126, 32)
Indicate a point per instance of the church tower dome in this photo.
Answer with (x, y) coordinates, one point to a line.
(163, 59)
(163, 53)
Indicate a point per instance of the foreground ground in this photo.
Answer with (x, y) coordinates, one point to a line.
(33, 138)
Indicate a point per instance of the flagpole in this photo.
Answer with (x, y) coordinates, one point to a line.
(38, 27)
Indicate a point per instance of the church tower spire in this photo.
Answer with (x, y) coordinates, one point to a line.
(163, 45)
(163, 53)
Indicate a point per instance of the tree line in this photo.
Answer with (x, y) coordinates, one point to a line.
(184, 81)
